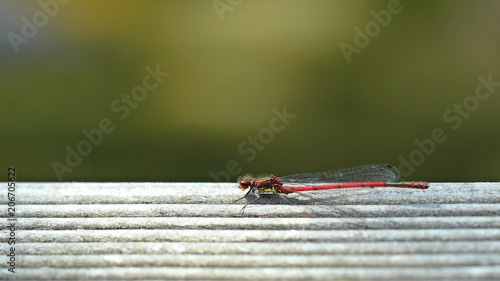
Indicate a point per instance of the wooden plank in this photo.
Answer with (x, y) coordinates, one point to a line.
(262, 211)
(225, 193)
(192, 231)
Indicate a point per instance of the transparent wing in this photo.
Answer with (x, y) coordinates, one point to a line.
(372, 172)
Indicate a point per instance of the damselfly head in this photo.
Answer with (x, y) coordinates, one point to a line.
(244, 184)
(245, 181)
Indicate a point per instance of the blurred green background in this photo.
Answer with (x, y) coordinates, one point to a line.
(232, 65)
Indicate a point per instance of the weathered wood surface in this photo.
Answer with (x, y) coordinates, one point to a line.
(147, 231)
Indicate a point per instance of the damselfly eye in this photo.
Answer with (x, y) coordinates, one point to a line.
(244, 184)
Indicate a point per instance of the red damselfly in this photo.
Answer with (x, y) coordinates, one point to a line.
(374, 175)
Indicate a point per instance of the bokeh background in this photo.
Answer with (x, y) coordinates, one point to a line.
(230, 66)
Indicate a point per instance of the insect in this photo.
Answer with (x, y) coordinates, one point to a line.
(374, 175)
